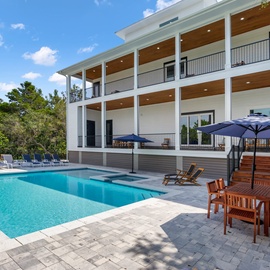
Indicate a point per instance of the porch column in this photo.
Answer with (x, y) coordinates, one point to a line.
(177, 56)
(136, 69)
(103, 124)
(228, 44)
(83, 126)
(228, 109)
(103, 80)
(136, 118)
(177, 117)
(83, 84)
(68, 82)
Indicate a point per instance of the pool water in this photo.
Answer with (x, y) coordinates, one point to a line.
(128, 178)
(34, 201)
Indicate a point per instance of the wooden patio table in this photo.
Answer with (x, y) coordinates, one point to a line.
(262, 193)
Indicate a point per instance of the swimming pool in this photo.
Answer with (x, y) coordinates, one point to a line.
(31, 202)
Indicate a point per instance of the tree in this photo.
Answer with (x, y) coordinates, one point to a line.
(32, 123)
(264, 3)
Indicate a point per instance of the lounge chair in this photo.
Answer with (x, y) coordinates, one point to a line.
(43, 162)
(48, 157)
(179, 174)
(10, 163)
(190, 178)
(62, 161)
(29, 162)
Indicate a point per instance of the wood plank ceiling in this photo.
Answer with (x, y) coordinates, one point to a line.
(241, 23)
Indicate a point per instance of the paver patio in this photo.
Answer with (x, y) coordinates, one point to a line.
(168, 232)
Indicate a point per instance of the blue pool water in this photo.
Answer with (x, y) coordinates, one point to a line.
(34, 201)
(129, 178)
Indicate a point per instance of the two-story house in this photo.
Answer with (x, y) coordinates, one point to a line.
(194, 63)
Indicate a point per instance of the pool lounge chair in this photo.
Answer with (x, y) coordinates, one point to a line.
(53, 162)
(10, 163)
(192, 179)
(43, 162)
(29, 162)
(62, 161)
(179, 174)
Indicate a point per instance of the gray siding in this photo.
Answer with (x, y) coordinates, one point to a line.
(119, 160)
(73, 156)
(92, 158)
(152, 163)
(214, 167)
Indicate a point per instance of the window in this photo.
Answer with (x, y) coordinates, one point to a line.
(169, 70)
(189, 124)
(265, 111)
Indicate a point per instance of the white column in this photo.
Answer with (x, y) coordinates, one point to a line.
(83, 126)
(136, 114)
(103, 80)
(136, 65)
(103, 124)
(83, 84)
(228, 41)
(67, 116)
(228, 109)
(177, 117)
(177, 56)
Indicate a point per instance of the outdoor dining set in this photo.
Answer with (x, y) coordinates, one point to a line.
(242, 202)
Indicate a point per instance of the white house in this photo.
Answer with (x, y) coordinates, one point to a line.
(193, 63)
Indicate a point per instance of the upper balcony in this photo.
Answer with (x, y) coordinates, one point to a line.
(156, 63)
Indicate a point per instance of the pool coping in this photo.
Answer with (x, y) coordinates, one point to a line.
(7, 243)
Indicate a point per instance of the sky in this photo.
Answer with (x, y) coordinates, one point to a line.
(40, 37)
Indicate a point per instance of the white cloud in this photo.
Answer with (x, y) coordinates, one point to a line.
(160, 4)
(58, 79)
(1, 41)
(19, 26)
(45, 56)
(31, 75)
(99, 2)
(7, 87)
(88, 49)
(148, 12)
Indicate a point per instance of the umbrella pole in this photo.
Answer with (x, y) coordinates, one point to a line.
(254, 163)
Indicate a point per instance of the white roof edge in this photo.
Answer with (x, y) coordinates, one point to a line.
(155, 17)
(119, 50)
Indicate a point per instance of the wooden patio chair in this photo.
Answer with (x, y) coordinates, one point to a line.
(179, 174)
(190, 178)
(220, 183)
(214, 197)
(242, 207)
(166, 143)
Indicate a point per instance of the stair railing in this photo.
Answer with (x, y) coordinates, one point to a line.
(233, 159)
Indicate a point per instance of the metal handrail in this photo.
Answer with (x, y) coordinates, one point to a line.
(233, 159)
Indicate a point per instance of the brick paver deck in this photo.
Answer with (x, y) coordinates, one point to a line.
(169, 232)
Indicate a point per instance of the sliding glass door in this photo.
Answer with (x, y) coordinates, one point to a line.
(189, 133)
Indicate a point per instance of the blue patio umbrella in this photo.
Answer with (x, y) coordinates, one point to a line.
(254, 126)
(132, 138)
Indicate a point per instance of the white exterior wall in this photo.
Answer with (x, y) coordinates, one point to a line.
(122, 121)
(94, 116)
(243, 102)
(72, 129)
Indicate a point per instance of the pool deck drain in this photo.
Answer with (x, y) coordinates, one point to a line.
(167, 232)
